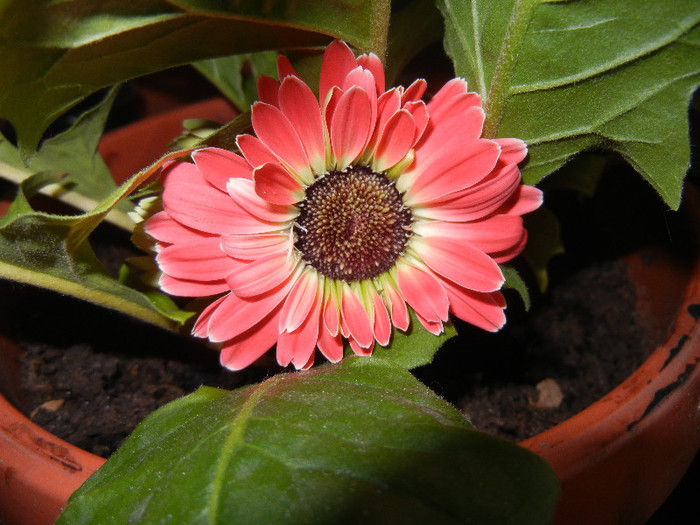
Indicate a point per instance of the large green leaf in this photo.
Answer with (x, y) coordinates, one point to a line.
(53, 54)
(568, 76)
(52, 251)
(358, 442)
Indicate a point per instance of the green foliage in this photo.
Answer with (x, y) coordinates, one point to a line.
(54, 54)
(52, 251)
(362, 441)
(572, 76)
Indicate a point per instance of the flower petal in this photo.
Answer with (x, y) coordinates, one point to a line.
(524, 200)
(444, 101)
(513, 151)
(399, 312)
(274, 184)
(254, 151)
(423, 292)
(338, 61)
(201, 327)
(163, 228)
(261, 275)
(298, 346)
(495, 234)
(203, 208)
(244, 349)
(185, 288)
(351, 126)
(299, 302)
(414, 92)
(268, 90)
(300, 106)
(243, 193)
(356, 318)
(235, 315)
(373, 64)
(484, 310)
(330, 345)
(475, 202)
(200, 260)
(396, 139)
(275, 131)
(460, 262)
(217, 166)
(452, 172)
(382, 324)
(251, 247)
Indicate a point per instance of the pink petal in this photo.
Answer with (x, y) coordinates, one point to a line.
(251, 247)
(387, 104)
(285, 67)
(330, 345)
(484, 310)
(461, 124)
(513, 151)
(351, 126)
(454, 171)
(298, 346)
(217, 166)
(254, 151)
(476, 202)
(275, 184)
(163, 228)
(185, 288)
(399, 312)
(261, 275)
(300, 106)
(524, 200)
(331, 316)
(513, 251)
(201, 327)
(181, 172)
(382, 324)
(494, 234)
(268, 90)
(414, 92)
(338, 61)
(299, 302)
(278, 134)
(375, 65)
(461, 263)
(356, 318)
(444, 101)
(419, 112)
(236, 315)
(423, 292)
(434, 327)
(243, 193)
(359, 350)
(200, 260)
(395, 141)
(201, 207)
(246, 348)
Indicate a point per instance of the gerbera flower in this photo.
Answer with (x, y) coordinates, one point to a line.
(341, 214)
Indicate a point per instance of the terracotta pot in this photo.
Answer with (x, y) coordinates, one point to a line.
(617, 460)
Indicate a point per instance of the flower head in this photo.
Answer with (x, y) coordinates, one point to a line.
(341, 214)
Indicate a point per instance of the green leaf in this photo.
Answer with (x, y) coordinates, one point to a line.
(52, 251)
(516, 282)
(227, 75)
(572, 76)
(415, 347)
(362, 441)
(72, 152)
(54, 54)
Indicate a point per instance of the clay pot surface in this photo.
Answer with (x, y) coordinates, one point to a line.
(617, 460)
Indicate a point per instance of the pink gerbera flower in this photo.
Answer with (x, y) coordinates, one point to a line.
(341, 214)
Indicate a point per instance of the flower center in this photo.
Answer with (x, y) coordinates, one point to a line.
(352, 225)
